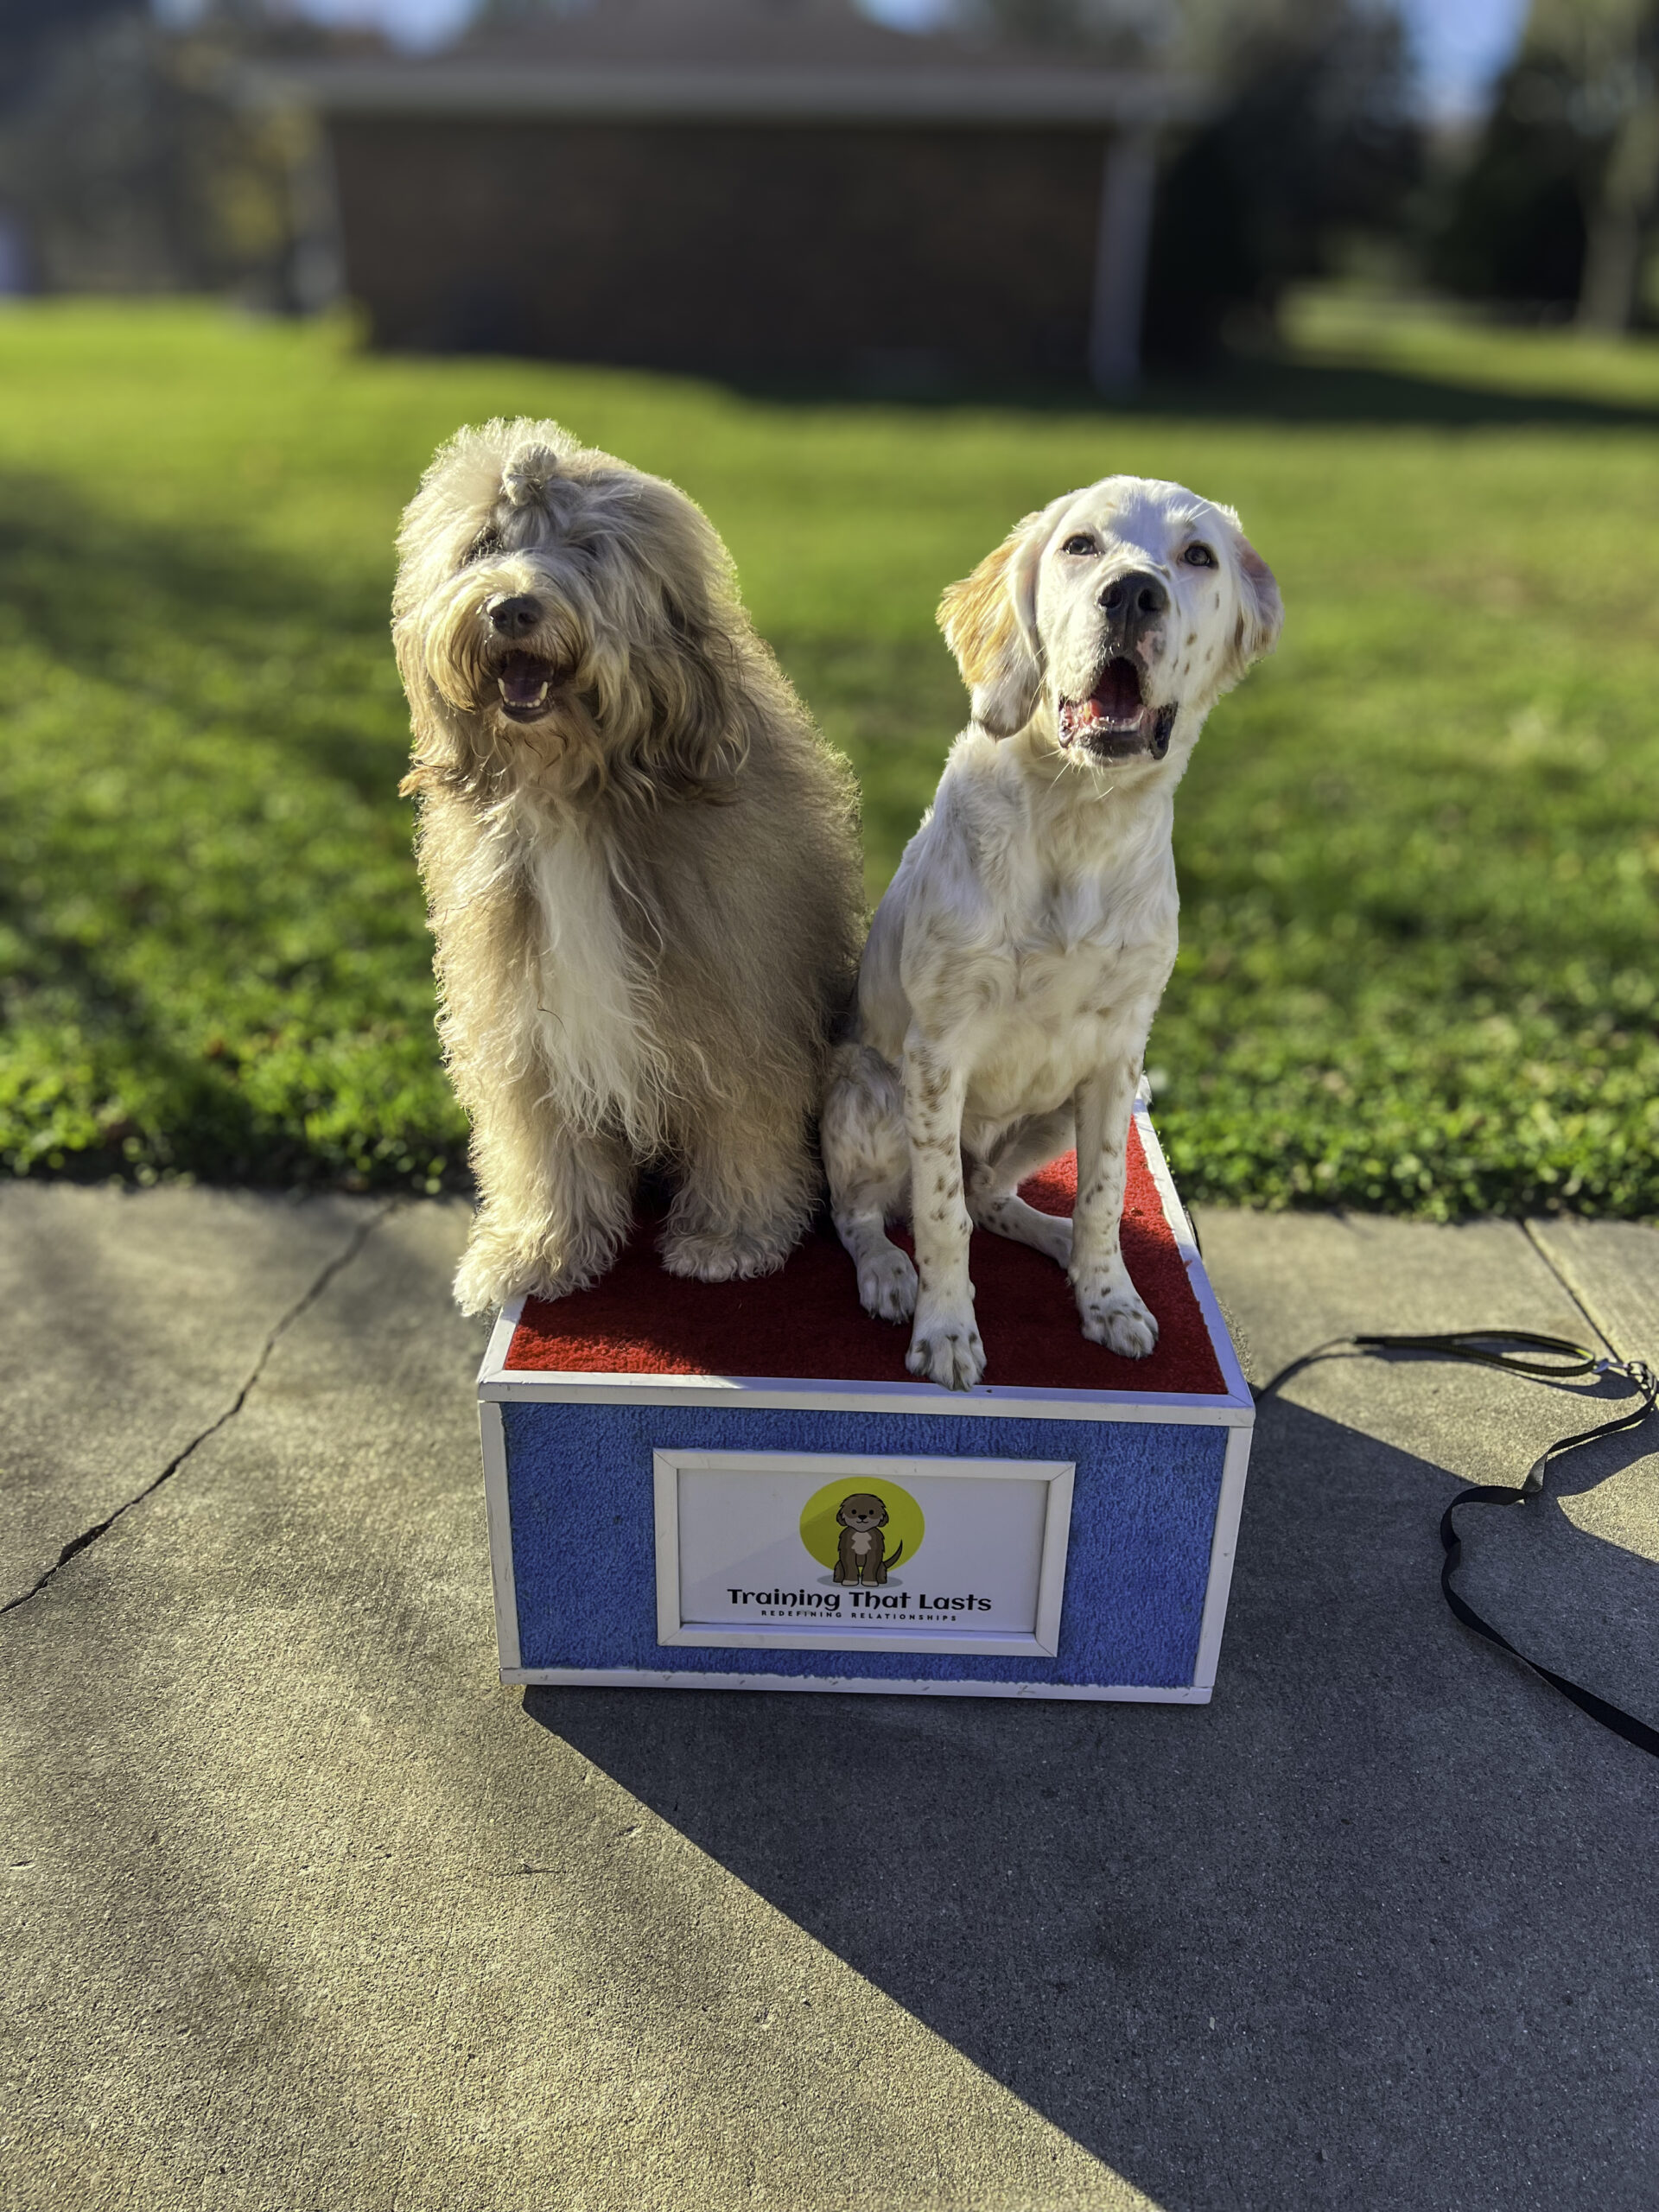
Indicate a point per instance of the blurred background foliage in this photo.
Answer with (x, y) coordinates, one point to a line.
(133, 157)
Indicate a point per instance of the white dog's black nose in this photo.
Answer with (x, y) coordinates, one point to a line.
(1137, 596)
(516, 616)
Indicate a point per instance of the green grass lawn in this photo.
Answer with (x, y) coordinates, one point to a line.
(1419, 848)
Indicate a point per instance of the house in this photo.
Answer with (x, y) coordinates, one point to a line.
(755, 189)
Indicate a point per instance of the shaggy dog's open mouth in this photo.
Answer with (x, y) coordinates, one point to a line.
(523, 680)
(1115, 722)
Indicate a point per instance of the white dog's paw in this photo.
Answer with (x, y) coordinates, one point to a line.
(887, 1284)
(945, 1349)
(721, 1255)
(1120, 1319)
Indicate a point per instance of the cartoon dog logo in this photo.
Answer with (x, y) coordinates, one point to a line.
(861, 1555)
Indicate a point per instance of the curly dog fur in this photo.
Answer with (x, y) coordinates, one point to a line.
(641, 862)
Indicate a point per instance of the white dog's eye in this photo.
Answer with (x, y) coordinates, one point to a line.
(1079, 545)
(1198, 556)
(481, 547)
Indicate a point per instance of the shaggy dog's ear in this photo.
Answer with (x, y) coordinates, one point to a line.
(703, 732)
(990, 621)
(1262, 611)
(691, 634)
(442, 755)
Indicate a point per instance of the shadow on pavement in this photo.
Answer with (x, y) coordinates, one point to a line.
(1374, 1929)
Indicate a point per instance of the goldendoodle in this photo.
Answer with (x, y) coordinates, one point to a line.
(640, 858)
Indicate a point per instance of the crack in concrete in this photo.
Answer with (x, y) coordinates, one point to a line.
(342, 1260)
(1596, 1326)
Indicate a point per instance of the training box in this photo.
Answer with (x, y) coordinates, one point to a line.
(738, 1485)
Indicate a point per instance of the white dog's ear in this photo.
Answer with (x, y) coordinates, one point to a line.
(990, 621)
(1262, 611)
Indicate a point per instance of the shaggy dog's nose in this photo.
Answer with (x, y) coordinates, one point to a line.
(513, 617)
(1135, 597)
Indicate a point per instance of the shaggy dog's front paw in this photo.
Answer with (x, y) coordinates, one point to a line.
(493, 1270)
(946, 1349)
(720, 1255)
(1120, 1319)
(498, 1265)
(887, 1284)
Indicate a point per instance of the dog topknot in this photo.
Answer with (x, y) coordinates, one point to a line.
(529, 474)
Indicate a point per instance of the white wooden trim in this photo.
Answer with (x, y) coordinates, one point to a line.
(686, 1678)
(1042, 1644)
(501, 1336)
(1238, 1390)
(525, 1387)
(1186, 1242)
(1224, 1547)
(498, 1514)
(1180, 1221)
(1056, 1538)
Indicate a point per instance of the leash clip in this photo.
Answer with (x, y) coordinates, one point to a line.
(1635, 1372)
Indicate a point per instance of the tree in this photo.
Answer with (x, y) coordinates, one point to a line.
(133, 161)
(28, 31)
(1608, 50)
(1314, 141)
(1559, 202)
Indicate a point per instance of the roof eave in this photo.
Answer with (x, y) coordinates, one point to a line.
(1023, 96)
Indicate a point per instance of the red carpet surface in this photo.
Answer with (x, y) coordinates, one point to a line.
(806, 1323)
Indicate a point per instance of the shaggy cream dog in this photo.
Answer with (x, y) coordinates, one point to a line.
(1017, 960)
(641, 862)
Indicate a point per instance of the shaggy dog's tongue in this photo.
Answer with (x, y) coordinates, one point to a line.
(523, 680)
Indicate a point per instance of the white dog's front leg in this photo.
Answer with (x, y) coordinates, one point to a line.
(1112, 1310)
(944, 1343)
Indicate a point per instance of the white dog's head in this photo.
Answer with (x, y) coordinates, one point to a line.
(1123, 611)
(563, 619)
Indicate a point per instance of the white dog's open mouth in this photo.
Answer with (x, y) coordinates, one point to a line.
(1115, 722)
(523, 680)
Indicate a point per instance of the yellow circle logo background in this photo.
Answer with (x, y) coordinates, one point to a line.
(821, 1531)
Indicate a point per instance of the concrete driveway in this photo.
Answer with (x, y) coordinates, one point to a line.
(304, 1910)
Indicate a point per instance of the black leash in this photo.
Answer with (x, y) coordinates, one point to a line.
(1561, 1362)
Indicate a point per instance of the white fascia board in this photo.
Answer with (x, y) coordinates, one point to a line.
(844, 1685)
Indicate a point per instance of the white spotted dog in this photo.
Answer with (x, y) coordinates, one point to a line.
(1014, 965)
